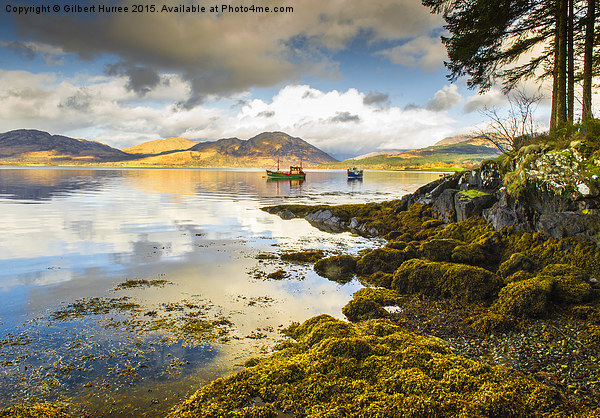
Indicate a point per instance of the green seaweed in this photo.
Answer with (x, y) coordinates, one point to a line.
(277, 275)
(311, 256)
(369, 303)
(132, 283)
(371, 369)
(39, 410)
(340, 268)
(528, 298)
(446, 280)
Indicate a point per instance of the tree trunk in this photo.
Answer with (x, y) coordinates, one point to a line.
(559, 93)
(570, 65)
(586, 111)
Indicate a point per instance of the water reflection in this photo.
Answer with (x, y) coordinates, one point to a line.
(201, 230)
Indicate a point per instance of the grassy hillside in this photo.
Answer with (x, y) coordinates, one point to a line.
(455, 156)
(160, 145)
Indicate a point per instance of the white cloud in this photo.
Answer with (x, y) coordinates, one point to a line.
(445, 98)
(491, 98)
(423, 51)
(341, 121)
(104, 109)
(225, 53)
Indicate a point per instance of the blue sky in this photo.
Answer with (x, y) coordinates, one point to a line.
(348, 76)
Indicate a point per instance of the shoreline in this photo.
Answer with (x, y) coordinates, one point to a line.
(108, 165)
(456, 317)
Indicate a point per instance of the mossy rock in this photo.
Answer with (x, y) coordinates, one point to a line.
(277, 275)
(433, 223)
(365, 374)
(472, 254)
(439, 249)
(39, 410)
(386, 260)
(311, 256)
(368, 303)
(352, 347)
(378, 279)
(340, 268)
(570, 283)
(468, 231)
(446, 280)
(516, 262)
(396, 245)
(519, 276)
(526, 298)
(319, 328)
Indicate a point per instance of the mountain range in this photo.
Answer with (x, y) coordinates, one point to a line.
(264, 150)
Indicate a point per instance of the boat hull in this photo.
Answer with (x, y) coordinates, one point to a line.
(354, 173)
(282, 175)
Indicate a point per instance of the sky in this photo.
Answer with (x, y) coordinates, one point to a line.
(348, 76)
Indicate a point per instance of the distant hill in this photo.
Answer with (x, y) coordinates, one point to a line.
(376, 153)
(160, 145)
(459, 155)
(262, 150)
(37, 146)
(469, 139)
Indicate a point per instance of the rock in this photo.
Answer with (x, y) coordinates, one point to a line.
(326, 221)
(443, 206)
(385, 259)
(339, 268)
(516, 262)
(369, 303)
(568, 224)
(570, 283)
(446, 280)
(286, 214)
(526, 298)
(439, 249)
(471, 205)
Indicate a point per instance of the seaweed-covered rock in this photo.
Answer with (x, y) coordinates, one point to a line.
(472, 203)
(339, 268)
(379, 279)
(516, 262)
(386, 260)
(473, 254)
(372, 369)
(439, 249)
(369, 303)
(319, 328)
(446, 280)
(526, 298)
(491, 322)
(570, 283)
(40, 410)
(310, 256)
(518, 276)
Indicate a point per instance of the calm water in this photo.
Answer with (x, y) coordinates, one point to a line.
(70, 236)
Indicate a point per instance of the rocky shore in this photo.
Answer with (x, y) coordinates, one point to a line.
(484, 301)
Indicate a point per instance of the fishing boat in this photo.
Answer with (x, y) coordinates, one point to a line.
(354, 173)
(295, 172)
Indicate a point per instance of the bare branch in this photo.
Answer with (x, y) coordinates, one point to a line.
(510, 132)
